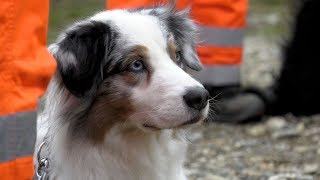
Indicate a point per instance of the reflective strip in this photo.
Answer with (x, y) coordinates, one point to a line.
(216, 36)
(214, 55)
(218, 75)
(17, 135)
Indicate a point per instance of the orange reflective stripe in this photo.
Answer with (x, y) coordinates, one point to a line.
(119, 4)
(20, 168)
(25, 64)
(220, 55)
(223, 13)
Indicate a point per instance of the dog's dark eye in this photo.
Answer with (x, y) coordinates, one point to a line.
(136, 65)
(178, 56)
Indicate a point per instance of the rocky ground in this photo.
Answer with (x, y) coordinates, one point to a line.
(277, 148)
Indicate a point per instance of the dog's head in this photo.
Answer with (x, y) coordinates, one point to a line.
(131, 65)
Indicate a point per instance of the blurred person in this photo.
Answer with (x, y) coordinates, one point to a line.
(297, 89)
(25, 69)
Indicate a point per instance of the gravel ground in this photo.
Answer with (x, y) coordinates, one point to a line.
(277, 148)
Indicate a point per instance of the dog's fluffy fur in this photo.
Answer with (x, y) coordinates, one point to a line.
(114, 108)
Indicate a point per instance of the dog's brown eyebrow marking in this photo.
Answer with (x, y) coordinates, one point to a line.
(172, 48)
(139, 50)
(136, 52)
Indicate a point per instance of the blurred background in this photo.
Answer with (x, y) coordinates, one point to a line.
(281, 147)
(267, 28)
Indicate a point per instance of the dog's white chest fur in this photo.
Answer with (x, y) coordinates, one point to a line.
(156, 156)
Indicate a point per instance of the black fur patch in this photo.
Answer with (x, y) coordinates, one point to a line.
(81, 55)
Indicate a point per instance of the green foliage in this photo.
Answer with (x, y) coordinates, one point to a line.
(64, 12)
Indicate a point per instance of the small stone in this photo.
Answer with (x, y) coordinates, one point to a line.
(194, 165)
(194, 136)
(300, 127)
(310, 168)
(213, 177)
(276, 123)
(286, 133)
(312, 131)
(205, 151)
(257, 130)
(301, 149)
(316, 117)
(202, 159)
(246, 143)
(290, 176)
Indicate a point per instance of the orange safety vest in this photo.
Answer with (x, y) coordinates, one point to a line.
(221, 27)
(25, 69)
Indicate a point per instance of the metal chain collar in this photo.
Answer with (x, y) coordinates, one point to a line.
(43, 164)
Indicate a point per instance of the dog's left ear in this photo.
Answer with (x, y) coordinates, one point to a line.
(80, 54)
(185, 32)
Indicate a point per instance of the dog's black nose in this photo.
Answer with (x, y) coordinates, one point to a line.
(196, 97)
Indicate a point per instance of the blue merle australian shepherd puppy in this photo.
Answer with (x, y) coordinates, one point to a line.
(120, 100)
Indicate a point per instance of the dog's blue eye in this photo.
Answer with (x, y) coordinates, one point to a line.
(137, 65)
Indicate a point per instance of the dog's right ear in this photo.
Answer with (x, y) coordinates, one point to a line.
(80, 54)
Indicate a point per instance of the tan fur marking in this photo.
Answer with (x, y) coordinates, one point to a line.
(111, 106)
(172, 48)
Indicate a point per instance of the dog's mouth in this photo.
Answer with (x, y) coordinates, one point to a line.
(189, 122)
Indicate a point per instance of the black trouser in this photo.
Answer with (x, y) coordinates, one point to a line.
(298, 88)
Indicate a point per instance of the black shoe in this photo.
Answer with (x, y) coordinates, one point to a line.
(237, 106)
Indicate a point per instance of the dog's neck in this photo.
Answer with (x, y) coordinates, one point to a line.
(123, 155)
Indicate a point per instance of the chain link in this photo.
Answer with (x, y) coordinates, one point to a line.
(43, 165)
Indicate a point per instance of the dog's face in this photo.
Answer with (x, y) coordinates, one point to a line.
(131, 66)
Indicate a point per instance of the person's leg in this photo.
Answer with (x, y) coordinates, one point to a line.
(25, 69)
(298, 87)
